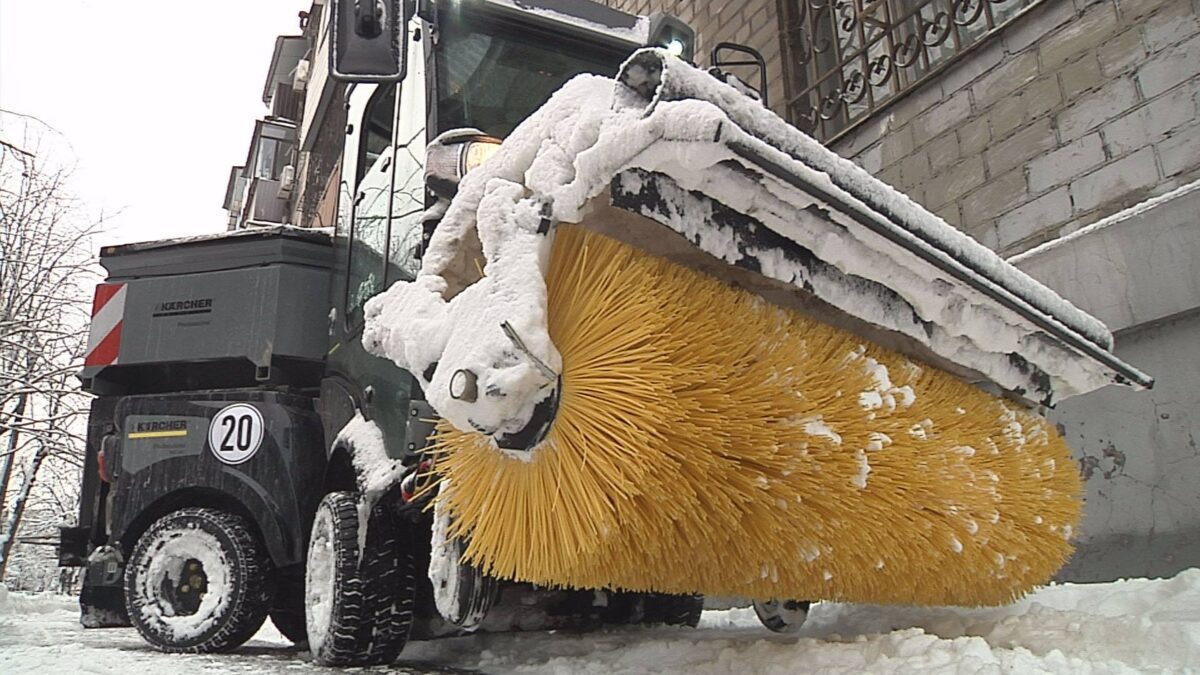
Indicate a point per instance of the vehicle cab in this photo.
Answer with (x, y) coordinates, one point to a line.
(460, 77)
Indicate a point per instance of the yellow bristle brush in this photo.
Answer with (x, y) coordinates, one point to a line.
(709, 442)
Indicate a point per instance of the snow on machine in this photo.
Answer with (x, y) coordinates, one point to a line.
(653, 345)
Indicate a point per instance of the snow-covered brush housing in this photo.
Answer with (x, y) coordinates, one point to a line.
(890, 309)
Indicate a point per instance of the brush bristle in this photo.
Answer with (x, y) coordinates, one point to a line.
(708, 442)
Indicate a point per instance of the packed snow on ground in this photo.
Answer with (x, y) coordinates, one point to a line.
(1134, 626)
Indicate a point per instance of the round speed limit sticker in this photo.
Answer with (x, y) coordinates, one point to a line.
(236, 433)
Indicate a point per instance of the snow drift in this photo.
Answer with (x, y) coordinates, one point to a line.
(1132, 626)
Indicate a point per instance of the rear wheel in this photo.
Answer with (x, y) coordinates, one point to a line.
(198, 581)
(359, 607)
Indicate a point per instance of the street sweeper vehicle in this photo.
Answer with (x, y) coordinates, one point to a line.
(596, 335)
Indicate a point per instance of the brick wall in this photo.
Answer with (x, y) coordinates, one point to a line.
(754, 23)
(1078, 109)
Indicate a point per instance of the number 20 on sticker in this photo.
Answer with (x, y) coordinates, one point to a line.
(236, 433)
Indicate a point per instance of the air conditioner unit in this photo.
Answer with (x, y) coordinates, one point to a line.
(300, 75)
(287, 180)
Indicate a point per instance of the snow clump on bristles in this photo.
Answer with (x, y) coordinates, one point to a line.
(709, 442)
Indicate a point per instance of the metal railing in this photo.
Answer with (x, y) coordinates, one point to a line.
(849, 58)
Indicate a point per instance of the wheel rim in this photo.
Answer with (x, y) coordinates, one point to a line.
(782, 616)
(320, 580)
(185, 587)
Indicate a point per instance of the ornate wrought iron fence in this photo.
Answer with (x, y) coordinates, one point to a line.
(849, 58)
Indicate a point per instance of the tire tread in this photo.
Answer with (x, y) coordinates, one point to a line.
(374, 593)
(252, 585)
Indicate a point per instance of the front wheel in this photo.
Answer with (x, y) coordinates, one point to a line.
(462, 593)
(198, 582)
(359, 607)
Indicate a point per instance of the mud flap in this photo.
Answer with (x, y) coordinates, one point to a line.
(102, 598)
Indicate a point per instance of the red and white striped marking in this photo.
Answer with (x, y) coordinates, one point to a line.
(104, 340)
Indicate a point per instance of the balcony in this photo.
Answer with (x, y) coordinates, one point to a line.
(259, 192)
(283, 90)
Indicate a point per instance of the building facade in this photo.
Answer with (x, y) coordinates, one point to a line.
(1015, 120)
(291, 168)
(1019, 122)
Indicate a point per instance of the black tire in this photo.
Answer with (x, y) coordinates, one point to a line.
(475, 591)
(359, 608)
(476, 595)
(213, 548)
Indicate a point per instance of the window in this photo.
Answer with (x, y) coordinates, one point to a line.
(848, 58)
(371, 202)
(273, 155)
(376, 134)
(492, 77)
(408, 203)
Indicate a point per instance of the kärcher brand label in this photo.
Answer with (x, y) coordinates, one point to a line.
(181, 307)
(166, 425)
(160, 428)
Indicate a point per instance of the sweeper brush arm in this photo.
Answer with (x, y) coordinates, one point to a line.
(680, 346)
(819, 185)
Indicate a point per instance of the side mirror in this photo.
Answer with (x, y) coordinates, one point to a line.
(368, 42)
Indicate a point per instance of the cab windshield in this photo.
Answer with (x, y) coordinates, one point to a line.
(492, 76)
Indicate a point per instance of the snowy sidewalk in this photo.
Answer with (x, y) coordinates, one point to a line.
(1135, 626)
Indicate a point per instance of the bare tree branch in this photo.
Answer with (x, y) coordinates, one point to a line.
(46, 271)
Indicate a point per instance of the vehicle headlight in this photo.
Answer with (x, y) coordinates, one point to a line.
(672, 34)
(450, 156)
(477, 152)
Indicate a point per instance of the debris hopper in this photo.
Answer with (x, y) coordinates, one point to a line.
(679, 346)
